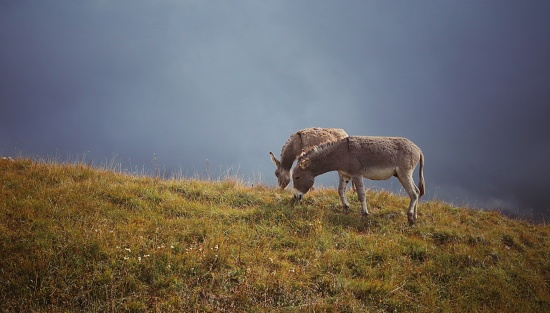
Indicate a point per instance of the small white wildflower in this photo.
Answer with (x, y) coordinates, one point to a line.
(147, 256)
(128, 249)
(171, 247)
(139, 259)
(216, 247)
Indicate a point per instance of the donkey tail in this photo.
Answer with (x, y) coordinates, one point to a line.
(421, 185)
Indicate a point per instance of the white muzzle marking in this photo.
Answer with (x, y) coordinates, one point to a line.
(297, 194)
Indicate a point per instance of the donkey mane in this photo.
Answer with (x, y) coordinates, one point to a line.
(320, 150)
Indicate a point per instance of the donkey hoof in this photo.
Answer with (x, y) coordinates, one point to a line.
(346, 209)
(365, 214)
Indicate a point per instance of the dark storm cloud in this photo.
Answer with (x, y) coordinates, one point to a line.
(214, 86)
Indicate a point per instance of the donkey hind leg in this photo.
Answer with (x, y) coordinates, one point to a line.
(342, 186)
(358, 182)
(413, 191)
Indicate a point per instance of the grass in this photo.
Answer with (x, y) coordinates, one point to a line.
(78, 238)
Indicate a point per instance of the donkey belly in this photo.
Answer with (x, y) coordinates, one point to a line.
(379, 173)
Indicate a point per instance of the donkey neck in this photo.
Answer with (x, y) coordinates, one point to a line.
(328, 159)
(291, 150)
(288, 155)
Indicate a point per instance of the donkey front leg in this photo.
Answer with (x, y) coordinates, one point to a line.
(342, 186)
(358, 182)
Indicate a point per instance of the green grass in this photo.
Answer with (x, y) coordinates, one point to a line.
(77, 238)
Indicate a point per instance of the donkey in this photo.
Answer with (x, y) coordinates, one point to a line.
(376, 158)
(299, 142)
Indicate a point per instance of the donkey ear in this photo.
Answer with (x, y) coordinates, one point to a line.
(305, 163)
(274, 159)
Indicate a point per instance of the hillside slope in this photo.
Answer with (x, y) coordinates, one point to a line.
(76, 238)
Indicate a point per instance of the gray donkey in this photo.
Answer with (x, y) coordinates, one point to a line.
(377, 158)
(299, 142)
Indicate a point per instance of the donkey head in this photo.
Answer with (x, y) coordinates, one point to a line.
(282, 174)
(302, 178)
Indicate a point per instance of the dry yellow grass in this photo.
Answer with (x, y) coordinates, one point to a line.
(77, 238)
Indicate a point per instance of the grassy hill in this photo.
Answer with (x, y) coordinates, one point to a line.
(77, 238)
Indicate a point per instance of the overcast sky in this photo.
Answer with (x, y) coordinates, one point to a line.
(197, 86)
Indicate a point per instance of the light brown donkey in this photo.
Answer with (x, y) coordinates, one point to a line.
(301, 141)
(377, 158)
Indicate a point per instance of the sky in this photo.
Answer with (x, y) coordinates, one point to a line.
(208, 88)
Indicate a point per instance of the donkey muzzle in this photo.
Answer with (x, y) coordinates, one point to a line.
(297, 194)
